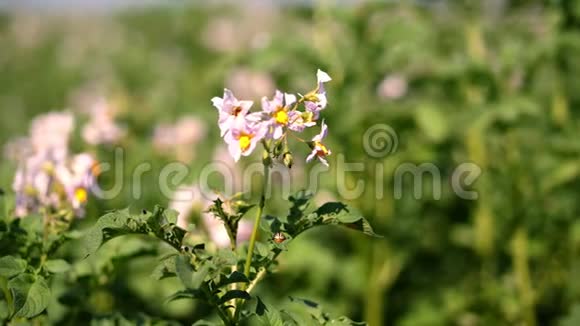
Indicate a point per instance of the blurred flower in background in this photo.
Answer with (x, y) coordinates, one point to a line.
(249, 31)
(249, 83)
(101, 127)
(47, 178)
(179, 138)
(393, 87)
(191, 201)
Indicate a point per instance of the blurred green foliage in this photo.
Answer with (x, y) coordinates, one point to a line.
(496, 84)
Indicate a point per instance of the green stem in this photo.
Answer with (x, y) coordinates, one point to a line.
(221, 313)
(257, 221)
(254, 235)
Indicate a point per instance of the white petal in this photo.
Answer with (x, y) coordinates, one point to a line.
(234, 149)
(323, 160)
(289, 99)
(217, 102)
(322, 77)
(311, 156)
(278, 132)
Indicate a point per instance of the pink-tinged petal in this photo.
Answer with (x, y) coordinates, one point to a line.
(322, 101)
(296, 123)
(260, 131)
(278, 132)
(245, 105)
(254, 117)
(278, 99)
(217, 103)
(323, 160)
(289, 99)
(311, 156)
(324, 130)
(322, 134)
(234, 149)
(313, 107)
(229, 97)
(266, 105)
(322, 77)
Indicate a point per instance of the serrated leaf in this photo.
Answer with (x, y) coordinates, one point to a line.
(30, 295)
(340, 214)
(11, 266)
(234, 294)
(300, 202)
(271, 317)
(166, 268)
(225, 257)
(199, 276)
(57, 266)
(184, 271)
(234, 277)
(121, 222)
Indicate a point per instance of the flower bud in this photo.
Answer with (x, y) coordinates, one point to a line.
(266, 159)
(288, 159)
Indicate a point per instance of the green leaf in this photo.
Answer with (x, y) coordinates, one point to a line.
(57, 266)
(260, 307)
(11, 266)
(309, 303)
(184, 270)
(300, 202)
(340, 214)
(187, 294)
(166, 268)
(191, 279)
(199, 276)
(225, 257)
(234, 277)
(31, 296)
(234, 294)
(121, 222)
(4, 310)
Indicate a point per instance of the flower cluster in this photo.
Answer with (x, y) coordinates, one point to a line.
(48, 178)
(242, 130)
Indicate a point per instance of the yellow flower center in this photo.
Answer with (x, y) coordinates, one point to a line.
(245, 141)
(281, 116)
(81, 195)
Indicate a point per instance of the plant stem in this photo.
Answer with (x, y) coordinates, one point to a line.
(221, 313)
(254, 236)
